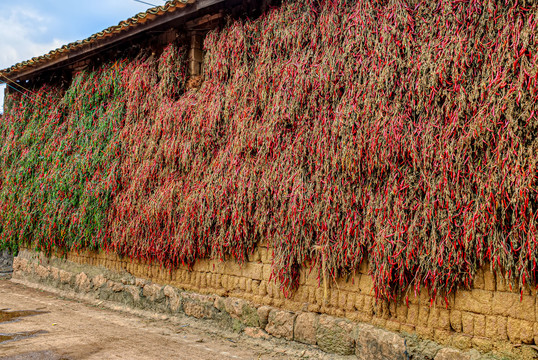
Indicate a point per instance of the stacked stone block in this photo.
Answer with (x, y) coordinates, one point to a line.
(491, 316)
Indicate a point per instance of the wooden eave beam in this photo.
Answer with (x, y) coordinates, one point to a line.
(108, 42)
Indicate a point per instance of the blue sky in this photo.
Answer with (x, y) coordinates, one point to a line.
(34, 27)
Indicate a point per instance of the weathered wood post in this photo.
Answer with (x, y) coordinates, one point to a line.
(196, 54)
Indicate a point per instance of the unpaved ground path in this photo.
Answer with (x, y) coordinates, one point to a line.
(71, 329)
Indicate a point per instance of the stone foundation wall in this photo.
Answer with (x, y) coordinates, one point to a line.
(492, 317)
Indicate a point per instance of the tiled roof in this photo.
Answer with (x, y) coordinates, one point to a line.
(125, 25)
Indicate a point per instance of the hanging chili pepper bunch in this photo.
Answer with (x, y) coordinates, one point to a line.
(172, 71)
(58, 162)
(397, 132)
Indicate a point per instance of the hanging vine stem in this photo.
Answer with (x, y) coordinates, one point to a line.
(397, 133)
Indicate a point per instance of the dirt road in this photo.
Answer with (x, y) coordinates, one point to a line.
(58, 328)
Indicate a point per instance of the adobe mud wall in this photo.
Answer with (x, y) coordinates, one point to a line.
(492, 318)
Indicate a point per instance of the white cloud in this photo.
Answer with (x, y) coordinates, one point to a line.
(19, 28)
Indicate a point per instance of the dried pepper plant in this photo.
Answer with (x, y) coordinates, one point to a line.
(398, 132)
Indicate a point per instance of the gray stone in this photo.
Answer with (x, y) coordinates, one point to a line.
(82, 282)
(421, 349)
(140, 282)
(280, 324)
(237, 325)
(169, 291)
(175, 304)
(42, 271)
(6, 264)
(224, 319)
(199, 306)
(234, 307)
(220, 303)
(335, 335)
(451, 354)
(305, 328)
(208, 300)
(128, 280)
(115, 286)
(249, 315)
(174, 299)
(263, 315)
(256, 333)
(55, 273)
(197, 310)
(65, 276)
(474, 354)
(99, 281)
(373, 343)
(133, 292)
(153, 292)
(19, 264)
